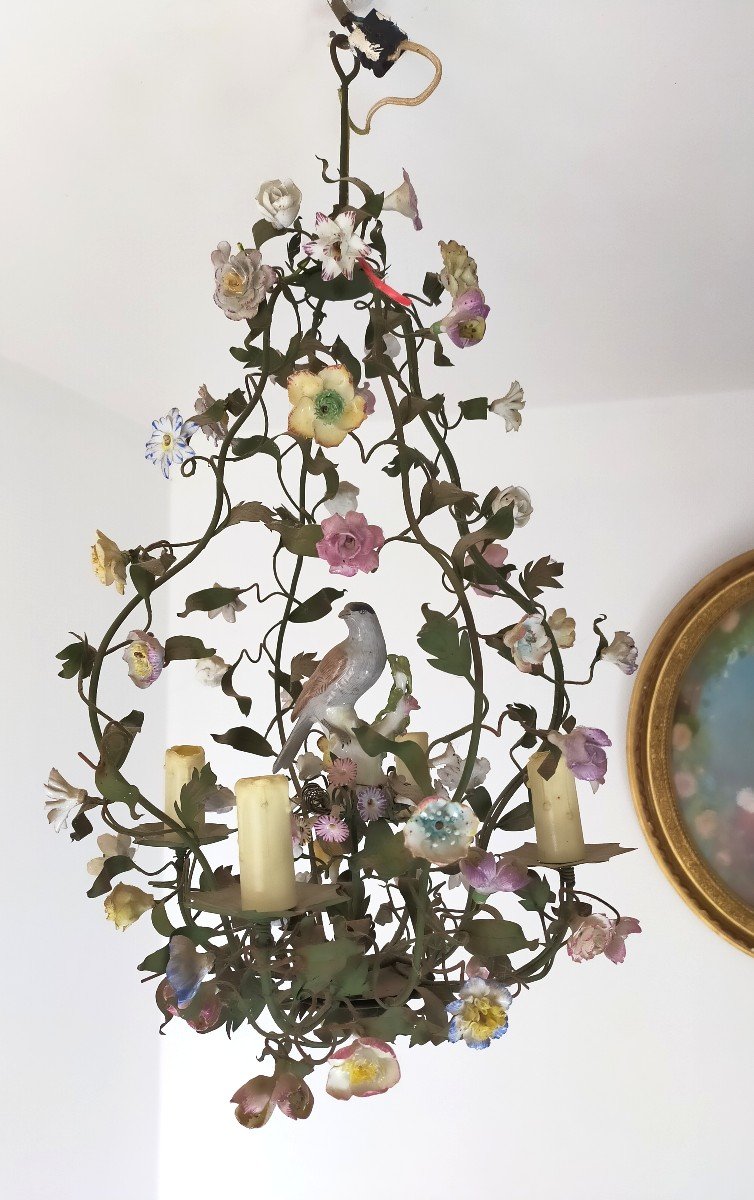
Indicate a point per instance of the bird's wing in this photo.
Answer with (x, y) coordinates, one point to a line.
(331, 667)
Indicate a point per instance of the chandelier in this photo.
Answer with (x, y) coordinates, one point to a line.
(386, 892)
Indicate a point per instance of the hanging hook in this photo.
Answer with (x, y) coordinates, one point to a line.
(408, 101)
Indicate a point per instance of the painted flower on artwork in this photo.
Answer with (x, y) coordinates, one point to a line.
(242, 281)
(350, 544)
(187, 968)
(145, 657)
(325, 406)
(528, 643)
(280, 201)
(583, 749)
(480, 1014)
(336, 245)
(109, 563)
(598, 934)
(509, 407)
(440, 830)
(63, 800)
(622, 652)
(403, 200)
(365, 1067)
(126, 904)
(169, 441)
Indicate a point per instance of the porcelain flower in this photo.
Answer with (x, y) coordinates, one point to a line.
(112, 846)
(466, 323)
(562, 627)
(371, 803)
(257, 1100)
(584, 752)
(369, 398)
(219, 800)
(459, 272)
(528, 643)
(599, 934)
(349, 544)
(521, 501)
(214, 430)
(440, 830)
(330, 828)
(366, 1067)
(623, 652)
(145, 657)
(336, 244)
(480, 1014)
(342, 773)
(205, 1013)
(187, 968)
(227, 611)
(280, 201)
(345, 500)
(126, 904)
(509, 407)
(309, 765)
(449, 766)
(325, 407)
(241, 281)
(169, 441)
(109, 563)
(63, 800)
(211, 671)
(495, 555)
(403, 200)
(486, 874)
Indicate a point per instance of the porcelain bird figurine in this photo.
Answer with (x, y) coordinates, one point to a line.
(343, 676)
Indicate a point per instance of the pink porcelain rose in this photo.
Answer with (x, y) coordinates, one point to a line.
(349, 544)
(598, 934)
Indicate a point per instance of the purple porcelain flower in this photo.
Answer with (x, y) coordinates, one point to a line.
(583, 749)
(329, 828)
(371, 803)
(465, 324)
(349, 544)
(486, 874)
(598, 934)
(145, 657)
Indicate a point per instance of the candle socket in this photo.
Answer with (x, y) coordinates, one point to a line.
(420, 739)
(265, 844)
(557, 819)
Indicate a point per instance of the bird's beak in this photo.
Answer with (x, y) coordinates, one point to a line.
(343, 612)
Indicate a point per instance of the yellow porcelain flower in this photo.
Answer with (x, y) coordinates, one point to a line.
(326, 406)
(109, 562)
(126, 904)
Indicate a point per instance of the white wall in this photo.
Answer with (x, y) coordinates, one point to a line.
(79, 1046)
(618, 1082)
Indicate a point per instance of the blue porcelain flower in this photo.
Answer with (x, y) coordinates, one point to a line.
(480, 1014)
(187, 968)
(169, 441)
(440, 830)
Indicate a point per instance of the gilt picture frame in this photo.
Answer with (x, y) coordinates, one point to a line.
(691, 749)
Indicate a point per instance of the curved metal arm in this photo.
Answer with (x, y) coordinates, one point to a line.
(406, 47)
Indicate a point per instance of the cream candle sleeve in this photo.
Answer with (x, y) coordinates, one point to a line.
(265, 845)
(555, 804)
(180, 764)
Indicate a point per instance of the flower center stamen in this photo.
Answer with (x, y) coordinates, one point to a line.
(328, 407)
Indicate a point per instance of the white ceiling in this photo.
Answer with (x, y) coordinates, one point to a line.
(595, 156)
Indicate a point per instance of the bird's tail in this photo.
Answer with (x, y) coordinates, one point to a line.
(295, 741)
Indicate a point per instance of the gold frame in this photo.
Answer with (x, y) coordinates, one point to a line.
(650, 725)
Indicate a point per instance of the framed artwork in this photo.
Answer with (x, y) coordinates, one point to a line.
(691, 749)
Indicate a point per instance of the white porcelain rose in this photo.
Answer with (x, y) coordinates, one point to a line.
(280, 201)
